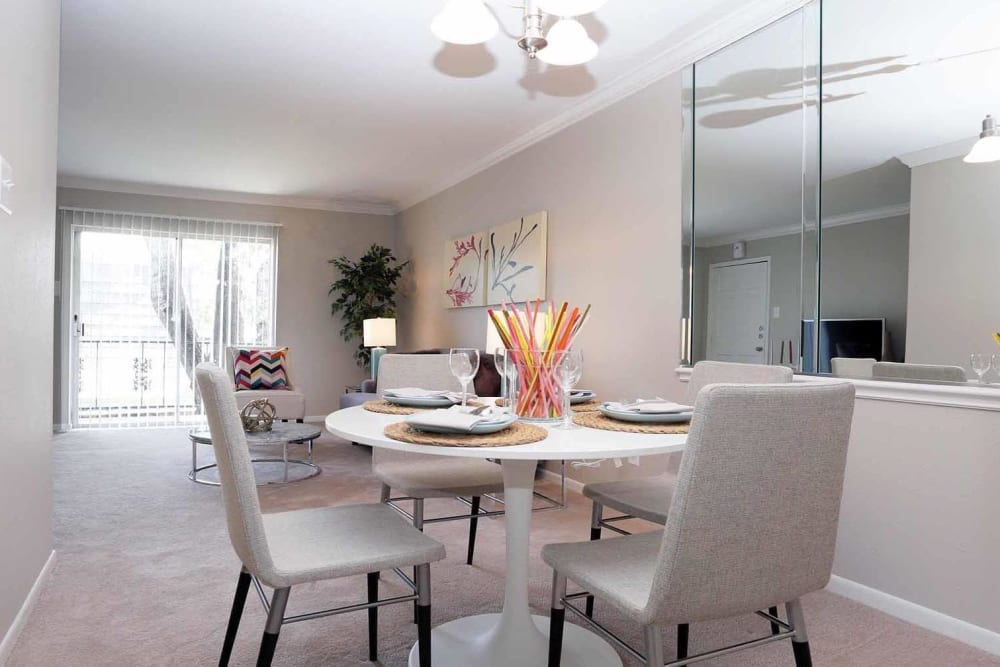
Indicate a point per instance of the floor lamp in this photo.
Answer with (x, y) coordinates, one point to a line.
(379, 333)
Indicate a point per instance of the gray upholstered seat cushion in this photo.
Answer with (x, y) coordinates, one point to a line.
(328, 542)
(618, 570)
(646, 498)
(429, 476)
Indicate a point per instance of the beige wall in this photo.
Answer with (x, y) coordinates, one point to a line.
(611, 185)
(954, 252)
(29, 70)
(308, 238)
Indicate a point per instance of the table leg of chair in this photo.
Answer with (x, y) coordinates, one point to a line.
(596, 514)
(373, 617)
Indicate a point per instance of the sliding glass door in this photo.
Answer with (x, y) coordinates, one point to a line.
(154, 297)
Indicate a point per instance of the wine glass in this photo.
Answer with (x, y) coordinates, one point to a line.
(995, 358)
(569, 368)
(464, 363)
(980, 364)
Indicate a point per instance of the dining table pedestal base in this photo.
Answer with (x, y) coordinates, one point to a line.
(478, 640)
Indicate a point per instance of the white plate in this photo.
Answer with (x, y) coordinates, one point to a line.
(580, 396)
(420, 401)
(479, 429)
(647, 417)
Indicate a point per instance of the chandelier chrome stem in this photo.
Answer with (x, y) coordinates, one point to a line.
(533, 40)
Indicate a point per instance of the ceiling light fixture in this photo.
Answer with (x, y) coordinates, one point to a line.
(987, 149)
(567, 42)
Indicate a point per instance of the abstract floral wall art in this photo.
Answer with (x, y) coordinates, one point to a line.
(515, 260)
(464, 283)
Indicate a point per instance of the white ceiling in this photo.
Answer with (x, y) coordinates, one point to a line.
(900, 76)
(336, 104)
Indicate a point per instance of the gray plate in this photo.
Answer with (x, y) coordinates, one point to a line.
(420, 402)
(647, 417)
(478, 429)
(582, 396)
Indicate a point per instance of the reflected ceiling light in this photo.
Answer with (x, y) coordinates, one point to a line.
(465, 22)
(567, 42)
(987, 149)
(570, 7)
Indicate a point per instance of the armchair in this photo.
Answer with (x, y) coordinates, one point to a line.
(288, 403)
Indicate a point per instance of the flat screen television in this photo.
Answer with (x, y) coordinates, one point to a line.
(856, 338)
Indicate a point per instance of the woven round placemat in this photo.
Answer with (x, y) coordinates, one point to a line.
(518, 433)
(386, 408)
(587, 406)
(605, 423)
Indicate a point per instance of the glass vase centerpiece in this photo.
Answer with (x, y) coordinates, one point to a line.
(535, 340)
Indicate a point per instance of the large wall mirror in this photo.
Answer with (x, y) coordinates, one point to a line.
(899, 279)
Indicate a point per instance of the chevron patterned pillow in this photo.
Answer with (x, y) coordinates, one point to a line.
(260, 369)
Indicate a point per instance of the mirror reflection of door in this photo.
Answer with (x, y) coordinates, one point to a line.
(738, 305)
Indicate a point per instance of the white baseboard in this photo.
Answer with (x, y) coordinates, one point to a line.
(571, 484)
(61, 428)
(963, 631)
(315, 420)
(7, 645)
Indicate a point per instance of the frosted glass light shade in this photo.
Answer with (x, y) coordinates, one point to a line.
(986, 149)
(570, 7)
(380, 332)
(569, 44)
(465, 22)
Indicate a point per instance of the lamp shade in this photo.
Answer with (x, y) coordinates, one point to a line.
(570, 7)
(380, 332)
(465, 22)
(569, 44)
(987, 149)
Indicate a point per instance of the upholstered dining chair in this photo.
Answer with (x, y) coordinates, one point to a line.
(727, 548)
(422, 476)
(853, 367)
(888, 370)
(285, 549)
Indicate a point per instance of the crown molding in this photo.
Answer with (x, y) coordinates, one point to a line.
(289, 201)
(855, 217)
(937, 153)
(733, 26)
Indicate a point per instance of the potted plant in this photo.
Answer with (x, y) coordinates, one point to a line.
(366, 289)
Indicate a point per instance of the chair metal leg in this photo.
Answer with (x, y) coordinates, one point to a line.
(384, 494)
(373, 617)
(273, 626)
(800, 641)
(654, 645)
(418, 523)
(596, 514)
(239, 600)
(775, 629)
(423, 579)
(557, 619)
(473, 524)
(682, 640)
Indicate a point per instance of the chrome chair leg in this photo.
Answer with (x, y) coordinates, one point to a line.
(418, 523)
(557, 619)
(773, 611)
(596, 514)
(384, 494)
(473, 524)
(273, 627)
(682, 640)
(423, 580)
(654, 645)
(239, 601)
(373, 616)
(800, 641)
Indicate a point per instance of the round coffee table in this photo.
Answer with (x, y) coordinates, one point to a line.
(280, 434)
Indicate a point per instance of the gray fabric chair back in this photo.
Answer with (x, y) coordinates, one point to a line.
(711, 372)
(852, 367)
(753, 521)
(887, 370)
(239, 488)
(427, 371)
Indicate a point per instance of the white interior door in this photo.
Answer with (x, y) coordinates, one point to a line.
(738, 305)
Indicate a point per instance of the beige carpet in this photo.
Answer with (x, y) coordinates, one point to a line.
(144, 574)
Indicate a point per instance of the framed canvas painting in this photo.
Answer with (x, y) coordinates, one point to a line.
(515, 260)
(464, 283)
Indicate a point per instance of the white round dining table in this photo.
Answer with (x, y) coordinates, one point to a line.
(514, 636)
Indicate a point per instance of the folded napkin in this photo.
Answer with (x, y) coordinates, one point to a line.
(456, 417)
(651, 407)
(416, 392)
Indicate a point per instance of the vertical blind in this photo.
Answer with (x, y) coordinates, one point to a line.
(154, 296)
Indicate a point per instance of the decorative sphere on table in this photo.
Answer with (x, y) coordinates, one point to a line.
(257, 416)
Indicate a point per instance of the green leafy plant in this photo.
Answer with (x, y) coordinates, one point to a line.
(366, 289)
